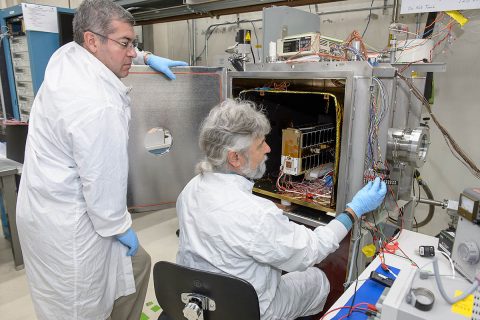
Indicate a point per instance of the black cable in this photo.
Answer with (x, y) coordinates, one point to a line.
(376, 226)
(429, 26)
(253, 55)
(215, 27)
(369, 17)
(256, 38)
(413, 187)
(361, 311)
(372, 233)
(205, 45)
(429, 194)
(356, 266)
(419, 192)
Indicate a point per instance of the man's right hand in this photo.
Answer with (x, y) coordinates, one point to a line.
(163, 65)
(369, 197)
(130, 240)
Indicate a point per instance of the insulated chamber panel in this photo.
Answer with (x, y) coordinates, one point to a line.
(163, 135)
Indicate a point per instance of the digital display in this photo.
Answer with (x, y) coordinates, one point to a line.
(290, 46)
(296, 45)
(305, 43)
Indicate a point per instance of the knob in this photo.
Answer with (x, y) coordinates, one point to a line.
(192, 311)
(469, 252)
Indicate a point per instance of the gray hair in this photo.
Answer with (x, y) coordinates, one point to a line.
(232, 125)
(96, 16)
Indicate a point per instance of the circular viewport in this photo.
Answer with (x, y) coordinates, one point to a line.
(158, 141)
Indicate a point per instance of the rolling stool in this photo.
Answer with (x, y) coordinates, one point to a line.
(187, 293)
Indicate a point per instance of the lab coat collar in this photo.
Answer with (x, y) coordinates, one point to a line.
(103, 72)
(243, 183)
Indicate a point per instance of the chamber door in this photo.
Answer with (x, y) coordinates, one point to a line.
(163, 135)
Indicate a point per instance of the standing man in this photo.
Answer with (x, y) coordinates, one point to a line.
(224, 228)
(82, 257)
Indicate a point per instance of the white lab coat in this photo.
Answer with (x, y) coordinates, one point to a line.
(72, 197)
(224, 228)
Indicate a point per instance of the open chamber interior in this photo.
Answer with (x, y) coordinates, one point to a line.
(306, 117)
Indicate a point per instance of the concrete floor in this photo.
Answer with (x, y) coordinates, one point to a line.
(156, 233)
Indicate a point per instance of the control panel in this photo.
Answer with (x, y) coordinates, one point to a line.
(308, 44)
(469, 204)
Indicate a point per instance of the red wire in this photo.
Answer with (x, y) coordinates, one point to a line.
(449, 26)
(413, 262)
(348, 315)
(354, 307)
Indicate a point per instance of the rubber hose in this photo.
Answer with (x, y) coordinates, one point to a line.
(429, 194)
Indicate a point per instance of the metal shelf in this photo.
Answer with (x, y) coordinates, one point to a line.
(422, 67)
(155, 11)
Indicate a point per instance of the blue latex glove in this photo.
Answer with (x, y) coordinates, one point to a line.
(369, 197)
(163, 65)
(130, 240)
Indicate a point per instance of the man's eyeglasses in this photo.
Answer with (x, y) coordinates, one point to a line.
(125, 44)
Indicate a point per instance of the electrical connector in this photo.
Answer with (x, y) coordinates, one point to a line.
(391, 247)
(372, 307)
(387, 269)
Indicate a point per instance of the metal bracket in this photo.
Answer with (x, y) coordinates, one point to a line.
(195, 304)
(206, 302)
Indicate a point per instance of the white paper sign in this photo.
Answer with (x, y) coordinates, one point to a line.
(416, 6)
(40, 18)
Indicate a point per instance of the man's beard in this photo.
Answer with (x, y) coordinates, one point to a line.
(256, 173)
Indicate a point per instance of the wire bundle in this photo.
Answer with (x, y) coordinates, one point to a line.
(444, 33)
(454, 147)
(318, 191)
(355, 36)
(441, 35)
(377, 114)
(364, 307)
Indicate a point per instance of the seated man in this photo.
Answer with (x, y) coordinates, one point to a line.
(224, 228)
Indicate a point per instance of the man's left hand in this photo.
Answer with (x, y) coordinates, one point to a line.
(129, 239)
(163, 65)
